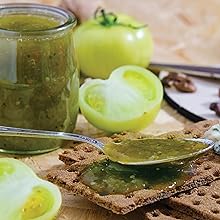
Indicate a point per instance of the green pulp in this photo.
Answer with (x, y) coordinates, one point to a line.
(143, 150)
(38, 81)
(107, 177)
(21, 22)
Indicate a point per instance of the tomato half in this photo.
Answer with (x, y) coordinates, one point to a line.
(109, 41)
(128, 101)
(23, 195)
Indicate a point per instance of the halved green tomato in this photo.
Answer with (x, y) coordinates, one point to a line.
(13, 170)
(42, 203)
(128, 101)
(27, 197)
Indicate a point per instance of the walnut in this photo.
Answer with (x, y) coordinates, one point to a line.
(181, 82)
(215, 106)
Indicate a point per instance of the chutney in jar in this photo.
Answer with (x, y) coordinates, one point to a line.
(39, 79)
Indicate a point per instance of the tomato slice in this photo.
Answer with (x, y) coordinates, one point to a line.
(128, 101)
(24, 196)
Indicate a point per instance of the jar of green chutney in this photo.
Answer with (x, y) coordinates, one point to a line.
(39, 79)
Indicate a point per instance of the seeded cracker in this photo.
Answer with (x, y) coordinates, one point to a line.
(83, 154)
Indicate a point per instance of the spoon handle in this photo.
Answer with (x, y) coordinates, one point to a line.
(31, 133)
(201, 71)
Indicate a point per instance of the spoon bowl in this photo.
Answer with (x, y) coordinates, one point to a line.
(208, 145)
(117, 151)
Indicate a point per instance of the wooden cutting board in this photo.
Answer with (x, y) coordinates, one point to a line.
(184, 31)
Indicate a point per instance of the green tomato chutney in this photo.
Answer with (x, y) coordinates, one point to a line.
(107, 177)
(110, 177)
(148, 150)
(39, 79)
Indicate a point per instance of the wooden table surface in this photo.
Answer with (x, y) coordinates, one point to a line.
(184, 31)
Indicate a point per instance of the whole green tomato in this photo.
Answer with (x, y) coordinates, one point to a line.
(109, 41)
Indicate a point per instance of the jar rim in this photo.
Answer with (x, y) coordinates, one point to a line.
(71, 20)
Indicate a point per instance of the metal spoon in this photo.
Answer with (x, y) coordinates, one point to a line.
(31, 133)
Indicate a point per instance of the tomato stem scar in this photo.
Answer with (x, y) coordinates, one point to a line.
(110, 19)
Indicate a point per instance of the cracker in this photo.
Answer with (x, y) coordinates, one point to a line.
(202, 203)
(160, 211)
(83, 155)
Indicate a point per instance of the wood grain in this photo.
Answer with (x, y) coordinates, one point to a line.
(186, 31)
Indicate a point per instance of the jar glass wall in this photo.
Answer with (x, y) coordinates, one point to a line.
(39, 79)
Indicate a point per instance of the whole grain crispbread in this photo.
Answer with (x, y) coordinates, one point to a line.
(83, 155)
(201, 203)
(158, 211)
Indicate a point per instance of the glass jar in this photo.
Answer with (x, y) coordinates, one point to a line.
(39, 80)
